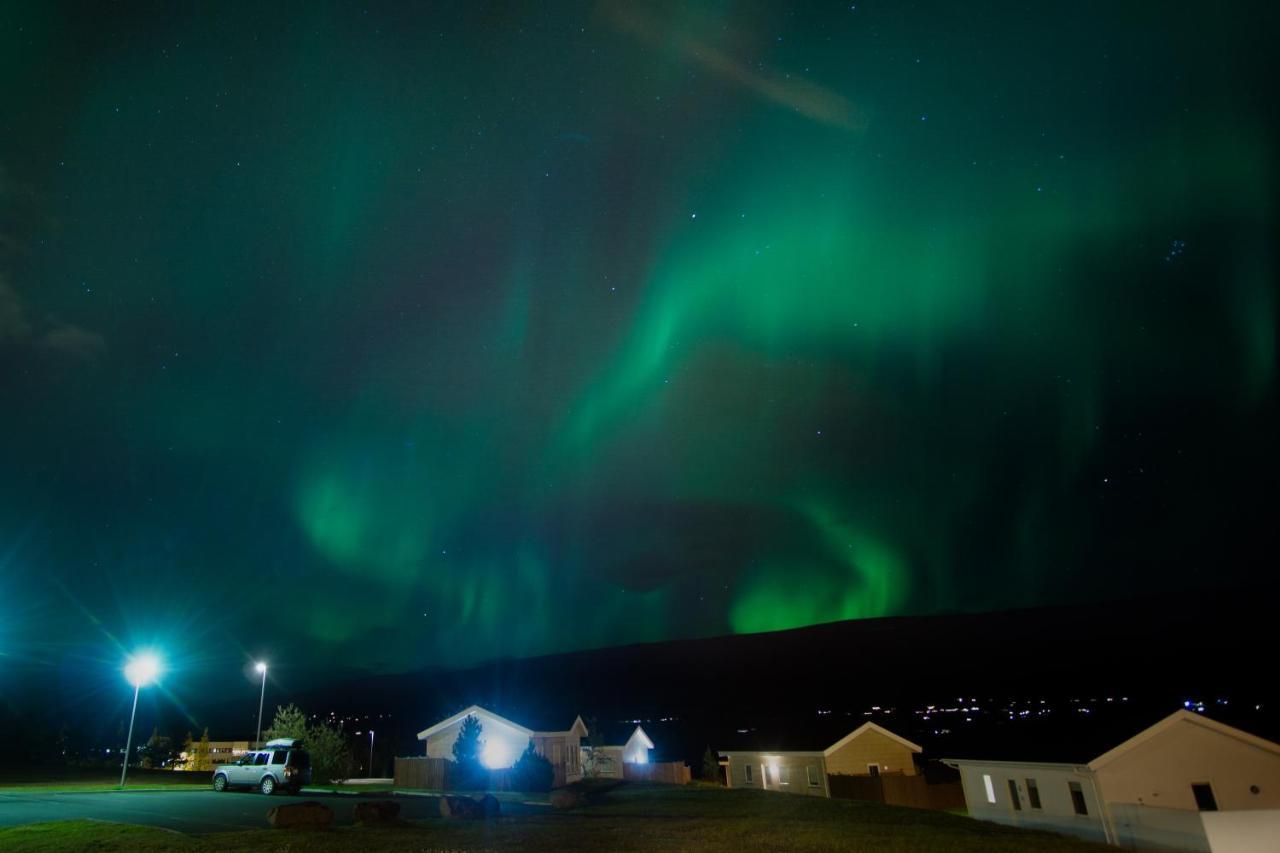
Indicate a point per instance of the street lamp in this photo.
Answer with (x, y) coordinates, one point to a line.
(261, 667)
(370, 753)
(140, 670)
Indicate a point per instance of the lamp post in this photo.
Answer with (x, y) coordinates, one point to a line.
(261, 667)
(140, 670)
(370, 753)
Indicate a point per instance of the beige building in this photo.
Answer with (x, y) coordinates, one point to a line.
(869, 750)
(1155, 789)
(220, 752)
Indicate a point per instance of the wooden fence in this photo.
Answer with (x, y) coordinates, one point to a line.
(436, 774)
(897, 790)
(946, 795)
(668, 772)
(417, 772)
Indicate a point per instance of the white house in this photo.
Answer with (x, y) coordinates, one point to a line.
(869, 750)
(1154, 789)
(607, 761)
(502, 742)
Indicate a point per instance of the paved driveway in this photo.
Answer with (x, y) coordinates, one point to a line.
(196, 811)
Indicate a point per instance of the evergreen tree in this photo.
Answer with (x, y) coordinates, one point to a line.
(469, 772)
(289, 722)
(331, 756)
(158, 751)
(204, 753)
(711, 766)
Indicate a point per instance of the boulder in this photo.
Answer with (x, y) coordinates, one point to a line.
(490, 806)
(309, 814)
(460, 807)
(379, 812)
(568, 798)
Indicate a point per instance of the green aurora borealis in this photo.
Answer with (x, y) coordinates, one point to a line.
(562, 327)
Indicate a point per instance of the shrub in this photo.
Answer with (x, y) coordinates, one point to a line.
(532, 772)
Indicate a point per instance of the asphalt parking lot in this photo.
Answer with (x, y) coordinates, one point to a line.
(197, 811)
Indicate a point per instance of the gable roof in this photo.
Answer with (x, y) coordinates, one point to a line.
(984, 762)
(871, 727)
(466, 712)
(579, 728)
(820, 736)
(1175, 719)
(644, 738)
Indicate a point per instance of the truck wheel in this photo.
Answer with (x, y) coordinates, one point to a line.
(220, 782)
(268, 785)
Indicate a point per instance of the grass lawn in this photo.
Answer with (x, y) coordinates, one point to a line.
(88, 787)
(84, 780)
(635, 817)
(340, 788)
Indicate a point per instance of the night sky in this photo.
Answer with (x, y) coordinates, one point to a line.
(387, 336)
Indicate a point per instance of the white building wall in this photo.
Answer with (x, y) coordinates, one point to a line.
(1145, 828)
(1254, 831)
(1056, 812)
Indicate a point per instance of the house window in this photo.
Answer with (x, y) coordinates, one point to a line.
(812, 773)
(1033, 794)
(873, 769)
(784, 774)
(746, 773)
(1205, 801)
(1077, 798)
(1013, 796)
(991, 789)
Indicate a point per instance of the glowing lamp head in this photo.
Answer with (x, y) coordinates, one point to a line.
(495, 755)
(142, 669)
(260, 667)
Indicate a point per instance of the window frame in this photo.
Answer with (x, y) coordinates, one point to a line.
(811, 773)
(1078, 803)
(746, 773)
(1033, 794)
